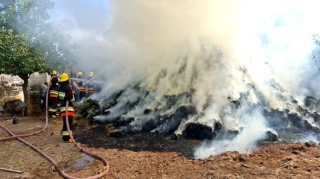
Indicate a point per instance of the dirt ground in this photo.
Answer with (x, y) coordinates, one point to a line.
(143, 156)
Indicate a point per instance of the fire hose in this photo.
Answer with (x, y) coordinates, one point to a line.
(13, 136)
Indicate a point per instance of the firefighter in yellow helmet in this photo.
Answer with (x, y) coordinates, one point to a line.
(53, 94)
(90, 85)
(54, 72)
(81, 92)
(66, 94)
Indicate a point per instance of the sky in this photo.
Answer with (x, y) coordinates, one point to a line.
(86, 23)
(212, 48)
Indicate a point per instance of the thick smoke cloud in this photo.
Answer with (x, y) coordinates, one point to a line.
(207, 52)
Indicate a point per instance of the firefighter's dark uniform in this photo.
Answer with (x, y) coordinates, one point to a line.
(65, 94)
(53, 96)
(90, 88)
(90, 85)
(81, 89)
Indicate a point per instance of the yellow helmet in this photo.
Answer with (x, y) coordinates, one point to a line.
(79, 73)
(64, 77)
(91, 74)
(53, 72)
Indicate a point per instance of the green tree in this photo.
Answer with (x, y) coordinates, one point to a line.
(25, 16)
(30, 17)
(18, 57)
(28, 42)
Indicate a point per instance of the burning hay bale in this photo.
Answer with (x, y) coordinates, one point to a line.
(310, 102)
(276, 118)
(299, 122)
(232, 133)
(198, 131)
(302, 123)
(218, 125)
(134, 111)
(151, 124)
(87, 106)
(123, 121)
(315, 116)
(172, 122)
(270, 136)
(91, 108)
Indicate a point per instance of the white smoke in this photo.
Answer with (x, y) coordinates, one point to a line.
(253, 129)
(310, 137)
(213, 49)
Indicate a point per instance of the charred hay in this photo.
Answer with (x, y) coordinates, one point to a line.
(198, 131)
(154, 123)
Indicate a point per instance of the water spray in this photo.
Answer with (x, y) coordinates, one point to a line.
(78, 79)
(94, 76)
(75, 85)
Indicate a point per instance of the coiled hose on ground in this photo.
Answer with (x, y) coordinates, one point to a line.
(19, 137)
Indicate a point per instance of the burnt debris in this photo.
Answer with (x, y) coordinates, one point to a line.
(198, 131)
(135, 116)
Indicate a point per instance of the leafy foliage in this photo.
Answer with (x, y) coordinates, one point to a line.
(30, 17)
(27, 42)
(25, 16)
(18, 57)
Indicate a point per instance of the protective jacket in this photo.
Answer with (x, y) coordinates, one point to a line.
(82, 89)
(53, 97)
(90, 87)
(64, 95)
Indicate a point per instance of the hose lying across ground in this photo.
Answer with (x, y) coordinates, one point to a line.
(13, 136)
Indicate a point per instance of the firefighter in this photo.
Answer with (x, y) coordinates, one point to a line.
(81, 92)
(53, 94)
(90, 85)
(66, 94)
(43, 93)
